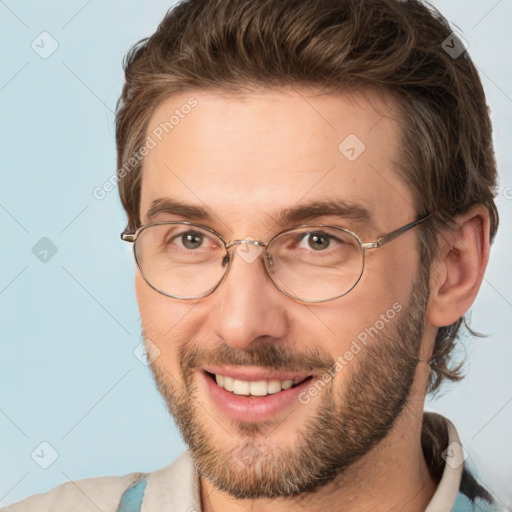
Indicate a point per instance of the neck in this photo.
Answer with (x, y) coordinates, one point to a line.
(392, 476)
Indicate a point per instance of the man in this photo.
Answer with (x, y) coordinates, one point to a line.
(309, 189)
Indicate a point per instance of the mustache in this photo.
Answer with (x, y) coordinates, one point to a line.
(270, 354)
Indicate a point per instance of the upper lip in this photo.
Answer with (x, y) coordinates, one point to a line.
(254, 374)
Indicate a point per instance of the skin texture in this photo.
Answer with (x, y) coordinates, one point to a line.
(357, 442)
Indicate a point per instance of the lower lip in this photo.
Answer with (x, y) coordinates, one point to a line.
(253, 408)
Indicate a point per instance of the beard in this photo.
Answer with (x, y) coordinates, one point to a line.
(349, 418)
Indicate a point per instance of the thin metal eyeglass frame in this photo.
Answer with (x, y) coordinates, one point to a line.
(381, 241)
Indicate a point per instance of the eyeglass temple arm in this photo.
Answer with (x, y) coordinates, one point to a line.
(394, 234)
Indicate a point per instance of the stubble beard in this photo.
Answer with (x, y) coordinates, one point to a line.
(347, 423)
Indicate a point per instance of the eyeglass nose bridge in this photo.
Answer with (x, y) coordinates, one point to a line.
(245, 242)
(268, 260)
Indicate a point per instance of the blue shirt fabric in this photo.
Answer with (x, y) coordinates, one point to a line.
(464, 504)
(131, 501)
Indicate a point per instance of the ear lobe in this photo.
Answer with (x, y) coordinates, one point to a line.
(457, 274)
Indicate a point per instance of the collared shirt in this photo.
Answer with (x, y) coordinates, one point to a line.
(176, 488)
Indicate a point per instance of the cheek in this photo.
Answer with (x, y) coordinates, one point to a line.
(168, 324)
(160, 315)
(148, 301)
(390, 271)
(364, 314)
(154, 321)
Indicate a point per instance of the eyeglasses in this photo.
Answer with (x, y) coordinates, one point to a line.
(319, 263)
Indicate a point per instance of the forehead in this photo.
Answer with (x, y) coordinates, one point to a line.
(248, 157)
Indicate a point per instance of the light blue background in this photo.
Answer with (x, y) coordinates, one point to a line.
(69, 326)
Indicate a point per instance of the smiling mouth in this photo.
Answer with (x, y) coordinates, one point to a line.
(255, 388)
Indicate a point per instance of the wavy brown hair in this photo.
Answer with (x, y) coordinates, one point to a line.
(446, 154)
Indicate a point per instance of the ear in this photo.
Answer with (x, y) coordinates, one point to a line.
(457, 274)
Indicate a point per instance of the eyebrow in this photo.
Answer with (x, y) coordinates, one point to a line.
(171, 206)
(336, 207)
(347, 210)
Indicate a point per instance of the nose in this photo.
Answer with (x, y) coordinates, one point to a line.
(247, 306)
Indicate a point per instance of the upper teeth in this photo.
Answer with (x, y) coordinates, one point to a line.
(255, 388)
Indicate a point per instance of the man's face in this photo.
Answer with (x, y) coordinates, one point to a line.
(246, 160)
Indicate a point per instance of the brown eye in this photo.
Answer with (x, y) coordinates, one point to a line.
(318, 241)
(192, 239)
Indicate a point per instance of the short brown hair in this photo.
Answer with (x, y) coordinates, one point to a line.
(400, 47)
